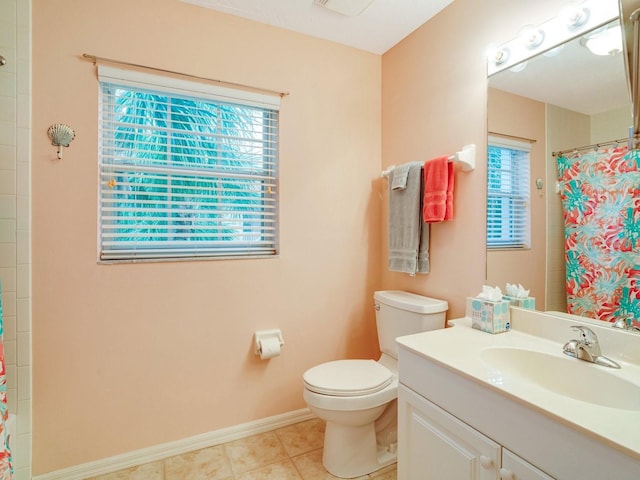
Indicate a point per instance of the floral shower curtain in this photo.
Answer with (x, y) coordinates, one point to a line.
(6, 464)
(600, 193)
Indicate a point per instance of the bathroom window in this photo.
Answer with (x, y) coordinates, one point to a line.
(187, 169)
(508, 212)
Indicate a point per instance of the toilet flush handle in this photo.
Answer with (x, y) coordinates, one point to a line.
(376, 306)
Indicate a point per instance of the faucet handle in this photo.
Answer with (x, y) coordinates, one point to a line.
(587, 336)
(625, 322)
(620, 323)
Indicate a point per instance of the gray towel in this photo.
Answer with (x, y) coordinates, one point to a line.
(408, 234)
(399, 178)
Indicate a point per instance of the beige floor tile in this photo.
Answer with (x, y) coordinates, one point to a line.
(253, 452)
(260, 457)
(148, 471)
(284, 470)
(310, 467)
(206, 464)
(302, 437)
(387, 473)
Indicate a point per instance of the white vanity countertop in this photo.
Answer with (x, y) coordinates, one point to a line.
(460, 349)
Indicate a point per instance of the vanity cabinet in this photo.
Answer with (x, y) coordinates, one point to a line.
(516, 468)
(435, 445)
(461, 410)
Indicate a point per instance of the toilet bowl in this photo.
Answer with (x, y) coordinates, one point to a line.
(357, 398)
(351, 445)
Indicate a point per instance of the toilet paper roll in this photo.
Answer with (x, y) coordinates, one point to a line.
(269, 348)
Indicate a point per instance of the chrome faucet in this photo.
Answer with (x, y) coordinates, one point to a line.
(623, 324)
(587, 347)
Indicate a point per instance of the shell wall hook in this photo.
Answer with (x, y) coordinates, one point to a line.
(60, 136)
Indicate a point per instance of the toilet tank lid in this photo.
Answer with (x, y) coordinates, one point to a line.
(410, 301)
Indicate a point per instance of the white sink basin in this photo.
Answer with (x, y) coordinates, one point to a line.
(565, 376)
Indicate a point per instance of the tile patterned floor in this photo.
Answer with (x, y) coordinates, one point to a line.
(288, 453)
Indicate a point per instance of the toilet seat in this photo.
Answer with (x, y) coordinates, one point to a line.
(348, 378)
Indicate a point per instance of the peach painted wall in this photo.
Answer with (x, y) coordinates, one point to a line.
(434, 93)
(433, 105)
(523, 266)
(128, 356)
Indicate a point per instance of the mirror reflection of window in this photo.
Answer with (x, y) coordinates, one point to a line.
(508, 212)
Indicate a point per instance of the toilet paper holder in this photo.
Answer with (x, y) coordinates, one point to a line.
(261, 336)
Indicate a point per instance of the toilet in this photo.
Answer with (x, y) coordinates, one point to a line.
(357, 398)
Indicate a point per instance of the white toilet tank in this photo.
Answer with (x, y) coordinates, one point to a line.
(402, 313)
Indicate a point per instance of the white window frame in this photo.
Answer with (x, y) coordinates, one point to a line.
(236, 199)
(509, 207)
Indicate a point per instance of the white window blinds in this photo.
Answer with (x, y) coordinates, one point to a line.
(186, 169)
(508, 212)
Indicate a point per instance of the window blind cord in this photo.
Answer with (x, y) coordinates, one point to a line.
(95, 59)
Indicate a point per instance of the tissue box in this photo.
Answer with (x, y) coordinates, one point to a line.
(491, 317)
(522, 302)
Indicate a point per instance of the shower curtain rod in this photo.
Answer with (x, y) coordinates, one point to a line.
(596, 146)
(95, 59)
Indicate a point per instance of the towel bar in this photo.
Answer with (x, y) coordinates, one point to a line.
(465, 157)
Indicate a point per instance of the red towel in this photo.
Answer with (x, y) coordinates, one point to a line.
(448, 215)
(438, 190)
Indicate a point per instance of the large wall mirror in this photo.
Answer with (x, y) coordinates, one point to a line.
(566, 99)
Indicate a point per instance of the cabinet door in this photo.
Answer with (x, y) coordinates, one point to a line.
(434, 445)
(517, 468)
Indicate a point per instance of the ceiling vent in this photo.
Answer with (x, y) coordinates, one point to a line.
(351, 8)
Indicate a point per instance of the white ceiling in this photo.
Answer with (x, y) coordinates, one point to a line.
(570, 80)
(383, 24)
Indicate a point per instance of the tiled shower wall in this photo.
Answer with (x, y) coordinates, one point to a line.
(15, 218)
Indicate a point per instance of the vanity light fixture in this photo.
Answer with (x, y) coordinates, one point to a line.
(573, 21)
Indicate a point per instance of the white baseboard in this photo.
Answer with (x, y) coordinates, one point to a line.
(166, 450)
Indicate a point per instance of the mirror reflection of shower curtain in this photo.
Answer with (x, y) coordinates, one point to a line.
(6, 464)
(600, 193)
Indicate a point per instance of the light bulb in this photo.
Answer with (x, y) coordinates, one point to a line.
(519, 67)
(531, 36)
(575, 15)
(608, 42)
(554, 51)
(497, 54)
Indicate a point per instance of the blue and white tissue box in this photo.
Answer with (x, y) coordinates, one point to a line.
(522, 302)
(489, 316)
